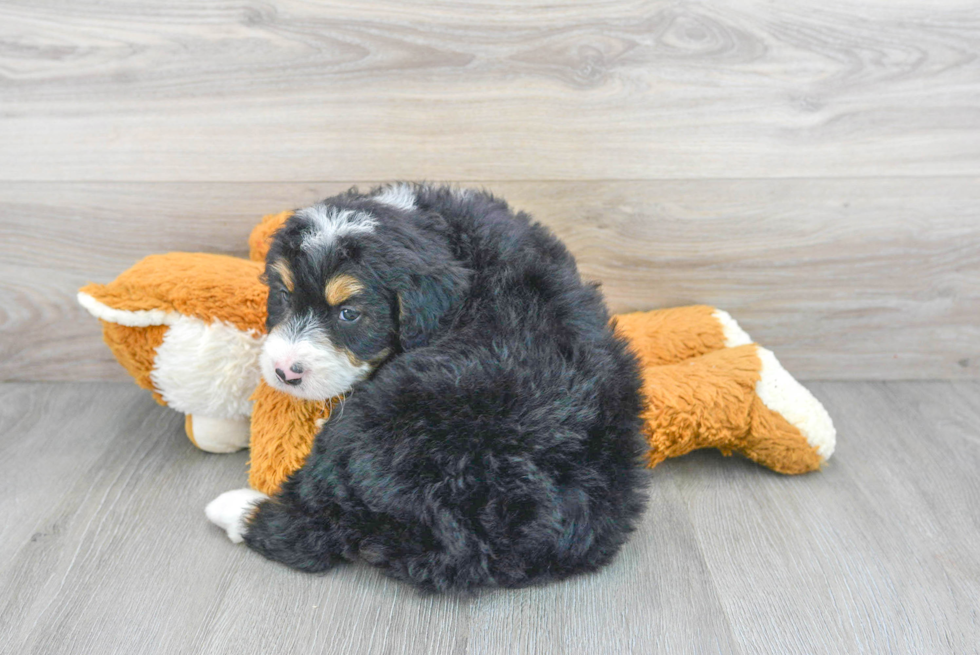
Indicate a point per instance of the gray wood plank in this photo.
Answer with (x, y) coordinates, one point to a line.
(207, 90)
(873, 279)
(42, 454)
(128, 564)
(876, 553)
(657, 597)
(112, 548)
(629, 607)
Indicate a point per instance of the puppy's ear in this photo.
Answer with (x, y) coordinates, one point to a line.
(425, 300)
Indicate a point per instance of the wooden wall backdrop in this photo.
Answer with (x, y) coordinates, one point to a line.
(812, 167)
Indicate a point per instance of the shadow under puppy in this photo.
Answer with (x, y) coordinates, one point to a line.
(491, 433)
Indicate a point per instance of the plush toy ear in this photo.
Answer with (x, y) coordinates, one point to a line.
(425, 300)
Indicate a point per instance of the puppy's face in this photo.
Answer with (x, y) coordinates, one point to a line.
(331, 320)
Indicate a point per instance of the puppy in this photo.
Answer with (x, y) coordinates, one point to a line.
(491, 431)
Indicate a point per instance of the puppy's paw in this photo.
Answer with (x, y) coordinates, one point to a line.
(231, 510)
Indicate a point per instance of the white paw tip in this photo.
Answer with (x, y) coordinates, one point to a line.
(782, 393)
(230, 510)
(734, 334)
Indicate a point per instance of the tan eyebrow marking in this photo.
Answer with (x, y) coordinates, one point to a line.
(342, 287)
(280, 267)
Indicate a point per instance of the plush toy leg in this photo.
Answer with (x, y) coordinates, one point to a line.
(737, 400)
(283, 428)
(668, 336)
(217, 435)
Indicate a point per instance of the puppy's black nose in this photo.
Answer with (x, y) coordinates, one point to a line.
(293, 381)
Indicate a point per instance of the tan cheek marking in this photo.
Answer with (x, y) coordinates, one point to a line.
(352, 358)
(380, 357)
(373, 362)
(285, 274)
(342, 287)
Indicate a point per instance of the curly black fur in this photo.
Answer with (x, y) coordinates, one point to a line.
(499, 443)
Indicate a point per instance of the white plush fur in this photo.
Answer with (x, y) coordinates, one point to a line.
(207, 369)
(220, 435)
(231, 510)
(401, 196)
(328, 370)
(331, 223)
(136, 318)
(734, 334)
(781, 393)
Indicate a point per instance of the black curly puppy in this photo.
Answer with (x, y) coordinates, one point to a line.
(491, 435)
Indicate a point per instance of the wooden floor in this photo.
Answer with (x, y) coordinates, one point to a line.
(104, 547)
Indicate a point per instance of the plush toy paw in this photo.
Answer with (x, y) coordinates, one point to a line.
(231, 510)
(740, 400)
(218, 435)
(781, 393)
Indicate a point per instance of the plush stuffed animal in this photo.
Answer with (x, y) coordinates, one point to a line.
(189, 327)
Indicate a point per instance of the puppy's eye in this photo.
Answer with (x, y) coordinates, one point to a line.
(284, 295)
(349, 314)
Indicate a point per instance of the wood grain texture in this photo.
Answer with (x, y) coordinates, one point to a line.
(39, 470)
(872, 279)
(876, 553)
(880, 555)
(198, 90)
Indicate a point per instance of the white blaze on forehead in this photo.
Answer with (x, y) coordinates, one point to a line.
(400, 196)
(330, 223)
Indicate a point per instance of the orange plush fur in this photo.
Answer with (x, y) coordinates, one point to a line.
(283, 428)
(210, 287)
(699, 392)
